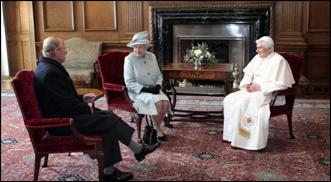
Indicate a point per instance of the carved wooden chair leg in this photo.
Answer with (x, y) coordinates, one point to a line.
(100, 166)
(36, 166)
(289, 121)
(45, 161)
(166, 120)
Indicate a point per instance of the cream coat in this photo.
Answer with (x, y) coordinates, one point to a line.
(142, 72)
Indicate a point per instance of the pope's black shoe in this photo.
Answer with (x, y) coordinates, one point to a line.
(146, 150)
(118, 175)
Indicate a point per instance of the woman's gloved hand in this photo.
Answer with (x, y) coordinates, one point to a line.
(158, 87)
(152, 90)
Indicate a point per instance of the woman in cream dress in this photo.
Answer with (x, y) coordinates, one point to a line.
(143, 79)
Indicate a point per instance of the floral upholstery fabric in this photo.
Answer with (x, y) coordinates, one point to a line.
(81, 75)
(80, 58)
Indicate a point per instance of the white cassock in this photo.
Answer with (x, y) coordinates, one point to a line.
(246, 115)
(142, 72)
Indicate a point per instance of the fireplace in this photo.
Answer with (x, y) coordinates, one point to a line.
(231, 32)
(227, 41)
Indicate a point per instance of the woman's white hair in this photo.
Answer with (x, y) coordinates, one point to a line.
(267, 42)
(49, 46)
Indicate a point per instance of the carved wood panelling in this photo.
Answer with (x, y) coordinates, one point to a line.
(58, 16)
(317, 36)
(319, 10)
(100, 15)
(291, 14)
(289, 26)
(134, 15)
(20, 35)
(318, 64)
(134, 19)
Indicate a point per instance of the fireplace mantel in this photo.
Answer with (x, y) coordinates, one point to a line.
(164, 16)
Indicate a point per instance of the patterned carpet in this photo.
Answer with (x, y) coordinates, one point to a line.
(194, 150)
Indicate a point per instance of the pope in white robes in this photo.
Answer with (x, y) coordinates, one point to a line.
(246, 112)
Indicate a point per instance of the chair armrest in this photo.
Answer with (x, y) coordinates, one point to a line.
(118, 88)
(45, 123)
(113, 87)
(289, 91)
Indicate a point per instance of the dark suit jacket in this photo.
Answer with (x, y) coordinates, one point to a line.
(56, 92)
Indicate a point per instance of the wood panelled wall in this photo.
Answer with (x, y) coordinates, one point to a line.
(301, 27)
(111, 22)
(18, 17)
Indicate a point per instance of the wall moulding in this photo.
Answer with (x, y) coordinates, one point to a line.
(210, 4)
(53, 20)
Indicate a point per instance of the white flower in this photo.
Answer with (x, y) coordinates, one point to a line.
(197, 52)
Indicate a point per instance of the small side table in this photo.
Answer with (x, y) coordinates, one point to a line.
(97, 92)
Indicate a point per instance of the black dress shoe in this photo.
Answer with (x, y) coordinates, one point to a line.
(162, 138)
(118, 175)
(146, 150)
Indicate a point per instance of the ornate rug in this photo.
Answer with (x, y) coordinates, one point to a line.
(194, 150)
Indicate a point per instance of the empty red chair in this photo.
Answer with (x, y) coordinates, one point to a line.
(111, 67)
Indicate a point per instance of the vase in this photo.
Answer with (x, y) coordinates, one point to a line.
(197, 65)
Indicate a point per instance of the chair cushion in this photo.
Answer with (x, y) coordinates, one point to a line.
(78, 74)
(80, 58)
(120, 103)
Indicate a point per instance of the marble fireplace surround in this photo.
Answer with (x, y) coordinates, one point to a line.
(241, 22)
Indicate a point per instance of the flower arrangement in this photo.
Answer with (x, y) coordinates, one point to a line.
(200, 55)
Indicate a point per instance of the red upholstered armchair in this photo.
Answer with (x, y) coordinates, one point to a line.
(42, 142)
(296, 63)
(111, 67)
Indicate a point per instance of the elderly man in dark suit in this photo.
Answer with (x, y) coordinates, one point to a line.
(58, 98)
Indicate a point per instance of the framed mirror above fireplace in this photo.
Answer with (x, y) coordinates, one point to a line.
(227, 41)
(229, 30)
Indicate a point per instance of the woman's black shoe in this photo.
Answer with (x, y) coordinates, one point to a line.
(162, 138)
(118, 175)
